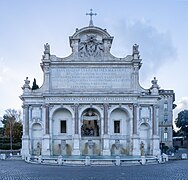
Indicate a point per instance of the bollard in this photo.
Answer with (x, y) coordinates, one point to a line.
(165, 157)
(87, 161)
(143, 160)
(40, 159)
(59, 160)
(159, 158)
(118, 161)
(184, 156)
(3, 156)
(28, 158)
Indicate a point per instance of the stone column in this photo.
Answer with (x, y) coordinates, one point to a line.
(45, 66)
(26, 119)
(105, 118)
(76, 140)
(154, 120)
(25, 138)
(136, 76)
(47, 119)
(46, 137)
(156, 141)
(135, 137)
(76, 118)
(135, 119)
(106, 138)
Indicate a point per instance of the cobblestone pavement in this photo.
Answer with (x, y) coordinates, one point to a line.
(20, 170)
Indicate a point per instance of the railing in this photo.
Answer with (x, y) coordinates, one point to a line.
(87, 160)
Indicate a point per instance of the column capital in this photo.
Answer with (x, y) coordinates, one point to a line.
(135, 105)
(76, 104)
(45, 105)
(24, 106)
(155, 106)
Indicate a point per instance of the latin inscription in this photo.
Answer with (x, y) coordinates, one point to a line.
(90, 99)
(90, 78)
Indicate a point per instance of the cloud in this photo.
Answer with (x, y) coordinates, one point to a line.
(182, 104)
(156, 48)
(4, 70)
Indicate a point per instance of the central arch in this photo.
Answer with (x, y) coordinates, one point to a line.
(90, 128)
(90, 123)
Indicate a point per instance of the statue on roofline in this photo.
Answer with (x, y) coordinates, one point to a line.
(136, 51)
(46, 48)
(26, 84)
(35, 86)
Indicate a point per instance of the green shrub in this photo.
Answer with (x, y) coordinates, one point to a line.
(5, 146)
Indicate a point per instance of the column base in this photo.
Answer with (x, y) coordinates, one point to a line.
(46, 145)
(25, 146)
(136, 145)
(156, 150)
(106, 145)
(106, 153)
(76, 145)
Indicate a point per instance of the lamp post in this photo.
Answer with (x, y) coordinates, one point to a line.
(11, 122)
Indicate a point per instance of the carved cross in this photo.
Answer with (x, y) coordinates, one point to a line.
(91, 14)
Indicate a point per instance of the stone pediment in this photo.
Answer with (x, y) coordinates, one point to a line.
(91, 43)
(91, 67)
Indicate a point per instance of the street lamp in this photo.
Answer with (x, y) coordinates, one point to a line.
(11, 123)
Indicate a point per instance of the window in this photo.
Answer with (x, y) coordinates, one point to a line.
(116, 126)
(165, 136)
(63, 126)
(165, 106)
(165, 118)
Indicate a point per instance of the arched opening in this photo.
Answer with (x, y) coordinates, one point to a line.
(120, 129)
(90, 125)
(62, 122)
(36, 139)
(119, 122)
(144, 137)
(90, 132)
(61, 129)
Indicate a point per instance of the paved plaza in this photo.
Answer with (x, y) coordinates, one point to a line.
(20, 170)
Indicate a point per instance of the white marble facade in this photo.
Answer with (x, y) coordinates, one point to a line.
(91, 103)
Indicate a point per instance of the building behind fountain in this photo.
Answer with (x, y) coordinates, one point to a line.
(91, 103)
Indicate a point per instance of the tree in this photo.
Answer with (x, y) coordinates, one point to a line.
(12, 125)
(182, 122)
(35, 86)
(1, 132)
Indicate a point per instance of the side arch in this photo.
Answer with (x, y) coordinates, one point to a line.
(55, 108)
(119, 119)
(124, 108)
(36, 138)
(145, 134)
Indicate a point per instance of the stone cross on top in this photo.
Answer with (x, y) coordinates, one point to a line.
(91, 14)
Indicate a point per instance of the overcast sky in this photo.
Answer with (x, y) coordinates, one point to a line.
(159, 27)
